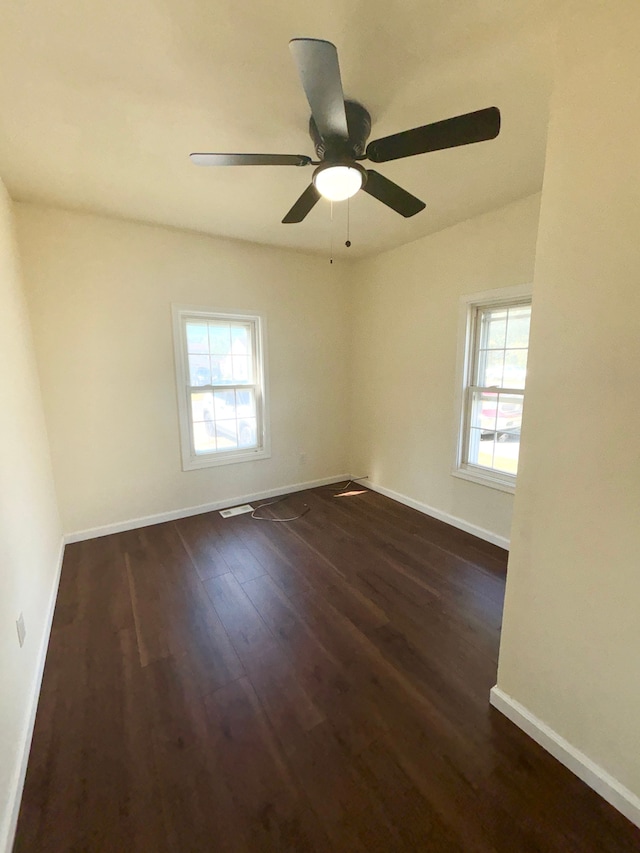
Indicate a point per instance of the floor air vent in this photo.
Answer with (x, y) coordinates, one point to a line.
(236, 510)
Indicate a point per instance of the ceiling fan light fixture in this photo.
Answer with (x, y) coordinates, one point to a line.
(338, 182)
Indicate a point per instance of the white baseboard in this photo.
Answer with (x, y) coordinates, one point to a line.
(593, 775)
(13, 807)
(172, 515)
(460, 523)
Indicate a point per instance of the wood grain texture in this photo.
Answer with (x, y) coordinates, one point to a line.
(322, 685)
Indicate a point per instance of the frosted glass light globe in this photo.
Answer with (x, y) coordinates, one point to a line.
(338, 183)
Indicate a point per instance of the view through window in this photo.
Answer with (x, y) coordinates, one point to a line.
(222, 375)
(494, 396)
(223, 394)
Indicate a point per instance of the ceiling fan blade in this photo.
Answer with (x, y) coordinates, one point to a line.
(250, 159)
(392, 195)
(304, 204)
(461, 130)
(319, 71)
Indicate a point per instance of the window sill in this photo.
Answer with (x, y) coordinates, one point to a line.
(489, 478)
(211, 460)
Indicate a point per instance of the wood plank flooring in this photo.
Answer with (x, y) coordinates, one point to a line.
(239, 685)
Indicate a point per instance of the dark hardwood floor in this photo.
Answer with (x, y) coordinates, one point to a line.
(322, 685)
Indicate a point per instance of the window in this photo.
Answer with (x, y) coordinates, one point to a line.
(221, 387)
(496, 342)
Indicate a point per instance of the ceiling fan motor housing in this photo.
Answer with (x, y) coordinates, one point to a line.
(336, 149)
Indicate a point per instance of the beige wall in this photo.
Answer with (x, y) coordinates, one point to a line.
(100, 294)
(405, 311)
(30, 533)
(570, 650)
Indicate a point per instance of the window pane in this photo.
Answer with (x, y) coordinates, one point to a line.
(203, 439)
(246, 403)
(241, 340)
(481, 446)
(509, 414)
(484, 411)
(493, 332)
(227, 434)
(199, 370)
(197, 339)
(224, 404)
(506, 452)
(201, 406)
(219, 338)
(220, 369)
(247, 431)
(515, 368)
(202, 415)
(518, 326)
(242, 369)
(490, 368)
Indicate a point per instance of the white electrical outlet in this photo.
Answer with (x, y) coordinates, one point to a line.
(22, 631)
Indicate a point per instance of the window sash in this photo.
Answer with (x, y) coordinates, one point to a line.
(257, 396)
(251, 324)
(468, 415)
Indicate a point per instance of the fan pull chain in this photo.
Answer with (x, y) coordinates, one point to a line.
(348, 242)
(331, 239)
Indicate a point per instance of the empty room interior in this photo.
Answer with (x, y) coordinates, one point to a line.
(410, 367)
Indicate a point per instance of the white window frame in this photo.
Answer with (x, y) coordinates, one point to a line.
(190, 459)
(469, 304)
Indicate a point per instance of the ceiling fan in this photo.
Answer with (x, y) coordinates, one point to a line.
(339, 130)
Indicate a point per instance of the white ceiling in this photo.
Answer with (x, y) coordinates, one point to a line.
(101, 102)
